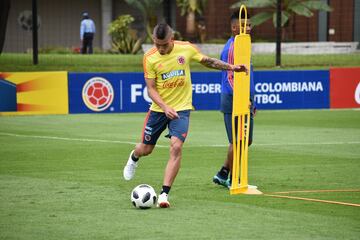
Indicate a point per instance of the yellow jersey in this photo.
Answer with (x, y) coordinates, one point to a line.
(171, 73)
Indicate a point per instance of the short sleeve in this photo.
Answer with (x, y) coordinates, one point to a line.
(148, 68)
(197, 55)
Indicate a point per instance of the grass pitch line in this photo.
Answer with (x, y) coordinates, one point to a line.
(318, 191)
(70, 139)
(313, 200)
(164, 146)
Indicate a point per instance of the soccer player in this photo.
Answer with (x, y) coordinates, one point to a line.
(227, 55)
(167, 76)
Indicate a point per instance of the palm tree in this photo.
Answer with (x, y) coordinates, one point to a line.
(289, 8)
(191, 8)
(148, 9)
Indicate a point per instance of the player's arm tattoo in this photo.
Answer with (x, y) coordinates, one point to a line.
(215, 63)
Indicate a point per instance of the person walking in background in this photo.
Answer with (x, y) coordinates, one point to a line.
(167, 76)
(227, 55)
(87, 32)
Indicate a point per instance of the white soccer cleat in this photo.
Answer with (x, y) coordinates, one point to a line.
(129, 169)
(163, 201)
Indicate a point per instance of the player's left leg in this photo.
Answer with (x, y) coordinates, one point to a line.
(221, 176)
(178, 129)
(171, 170)
(251, 130)
(174, 162)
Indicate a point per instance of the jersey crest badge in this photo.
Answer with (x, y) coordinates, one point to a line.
(181, 60)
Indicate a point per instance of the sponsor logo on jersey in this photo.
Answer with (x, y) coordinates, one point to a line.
(180, 82)
(175, 73)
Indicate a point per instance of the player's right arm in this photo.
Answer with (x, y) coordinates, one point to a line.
(214, 63)
(221, 65)
(155, 96)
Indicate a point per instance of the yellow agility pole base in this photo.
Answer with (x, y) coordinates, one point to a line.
(241, 113)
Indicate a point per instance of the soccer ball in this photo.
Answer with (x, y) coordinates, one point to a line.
(143, 196)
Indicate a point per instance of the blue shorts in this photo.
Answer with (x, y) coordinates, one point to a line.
(226, 108)
(156, 123)
(228, 127)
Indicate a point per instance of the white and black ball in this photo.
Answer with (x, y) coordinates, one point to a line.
(143, 196)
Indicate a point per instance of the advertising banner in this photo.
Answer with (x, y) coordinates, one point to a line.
(127, 92)
(61, 93)
(345, 87)
(23, 93)
(306, 89)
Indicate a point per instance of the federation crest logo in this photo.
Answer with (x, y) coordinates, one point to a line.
(98, 94)
(147, 138)
(181, 60)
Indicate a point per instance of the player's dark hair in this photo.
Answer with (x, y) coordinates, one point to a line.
(235, 15)
(161, 31)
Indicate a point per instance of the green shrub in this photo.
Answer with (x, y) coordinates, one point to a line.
(124, 39)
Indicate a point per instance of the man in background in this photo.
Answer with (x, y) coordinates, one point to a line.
(87, 32)
(227, 84)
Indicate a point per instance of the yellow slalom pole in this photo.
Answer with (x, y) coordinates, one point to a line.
(241, 113)
(244, 152)
(235, 166)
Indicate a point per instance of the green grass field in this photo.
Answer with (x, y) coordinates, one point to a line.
(61, 178)
(133, 63)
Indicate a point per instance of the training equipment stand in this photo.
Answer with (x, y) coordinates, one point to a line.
(241, 113)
